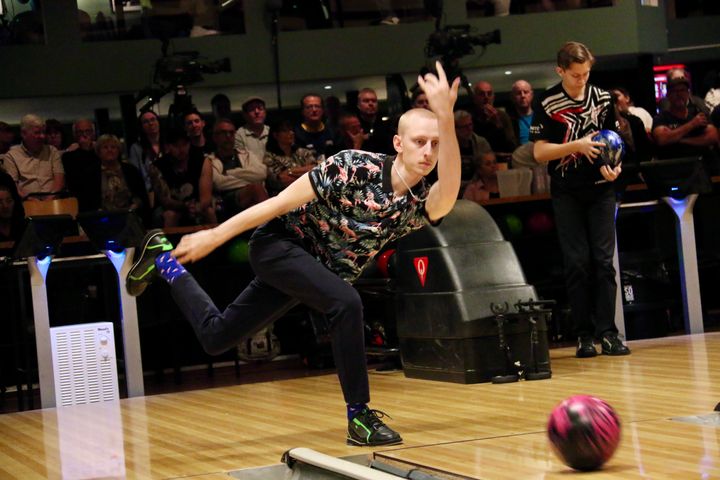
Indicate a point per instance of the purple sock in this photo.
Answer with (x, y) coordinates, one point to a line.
(353, 410)
(168, 267)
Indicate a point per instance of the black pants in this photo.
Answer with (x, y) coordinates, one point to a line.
(286, 274)
(585, 224)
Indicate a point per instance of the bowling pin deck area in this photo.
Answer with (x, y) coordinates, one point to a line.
(665, 393)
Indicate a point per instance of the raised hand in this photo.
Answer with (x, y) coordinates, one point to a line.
(440, 94)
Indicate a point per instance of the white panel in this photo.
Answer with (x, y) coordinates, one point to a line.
(84, 364)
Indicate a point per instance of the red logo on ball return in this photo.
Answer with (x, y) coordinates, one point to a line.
(421, 267)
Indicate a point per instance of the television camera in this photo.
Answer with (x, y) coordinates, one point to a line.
(186, 68)
(174, 73)
(455, 41)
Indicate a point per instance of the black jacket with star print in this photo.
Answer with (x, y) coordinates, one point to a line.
(561, 119)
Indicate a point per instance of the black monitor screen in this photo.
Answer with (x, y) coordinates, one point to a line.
(677, 177)
(112, 230)
(43, 235)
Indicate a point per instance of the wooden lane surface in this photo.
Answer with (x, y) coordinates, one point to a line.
(662, 379)
(498, 430)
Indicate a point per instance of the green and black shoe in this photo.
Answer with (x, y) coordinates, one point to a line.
(143, 270)
(366, 429)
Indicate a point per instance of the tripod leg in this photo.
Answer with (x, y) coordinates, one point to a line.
(536, 373)
(508, 377)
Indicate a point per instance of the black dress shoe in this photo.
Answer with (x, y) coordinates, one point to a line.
(612, 345)
(585, 348)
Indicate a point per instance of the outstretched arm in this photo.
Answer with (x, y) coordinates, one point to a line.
(441, 97)
(195, 246)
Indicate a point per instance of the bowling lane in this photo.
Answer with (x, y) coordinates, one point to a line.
(657, 449)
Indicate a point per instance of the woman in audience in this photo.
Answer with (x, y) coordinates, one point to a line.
(484, 184)
(148, 149)
(54, 134)
(285, 161)
(182, 182)
(121, 185)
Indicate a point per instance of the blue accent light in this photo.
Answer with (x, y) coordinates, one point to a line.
(116, 258)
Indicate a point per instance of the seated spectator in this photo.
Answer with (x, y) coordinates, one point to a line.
(491, 123)
(484, 184)
(626, 106)
(182, 182)
(380, 132)
(80, 164)
(253, 136)
(238, 176)
(286, 162)
(35, 166)
(54, 136)
(350, 135)
(121, 186)
(682, 130)
(312, 133)
(521, 113)
(638, 147)
(11, 211)
(147, 149)
(7, 137)
(195, 129)
(680, 73)
(419, 99)
(472, 147)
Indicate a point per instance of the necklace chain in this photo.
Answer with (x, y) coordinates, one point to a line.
(405, 183)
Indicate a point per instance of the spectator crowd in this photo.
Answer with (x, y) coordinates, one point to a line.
(211, 167)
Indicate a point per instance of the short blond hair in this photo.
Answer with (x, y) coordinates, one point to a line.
(107, 139)
(31, 120)
(411, 115)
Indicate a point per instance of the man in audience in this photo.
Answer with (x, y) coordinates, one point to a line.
(35, 166)
(380, 133)
(680, 73)
(682, 130)
(521, 113)
(253, 136)
(351, 135)
(80, 162)
(182, 182)
(489, 122)
(472, 147)
(194, 125)
(238, 176)
(312, 133)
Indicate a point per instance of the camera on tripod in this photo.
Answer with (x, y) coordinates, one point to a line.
(174, 73)
(186, 68)
(455, 41)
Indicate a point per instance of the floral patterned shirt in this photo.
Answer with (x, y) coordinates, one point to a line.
(356, 211)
